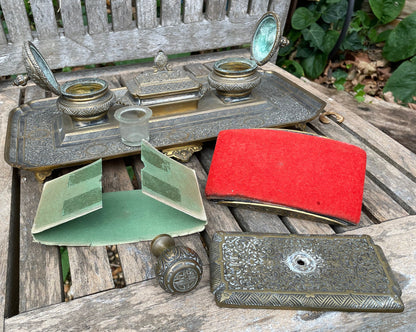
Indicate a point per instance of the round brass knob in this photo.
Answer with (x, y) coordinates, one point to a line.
(178, 269)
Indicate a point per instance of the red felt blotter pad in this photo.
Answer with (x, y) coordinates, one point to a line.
(299, 172)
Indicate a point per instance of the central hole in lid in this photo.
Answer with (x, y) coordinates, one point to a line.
(300, 262)
(83, 88)
(235, 66)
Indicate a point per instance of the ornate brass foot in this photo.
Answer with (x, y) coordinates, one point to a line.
(42, 175)
(323, 117)
(183, 153)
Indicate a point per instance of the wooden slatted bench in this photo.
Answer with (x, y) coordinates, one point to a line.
(31, 285)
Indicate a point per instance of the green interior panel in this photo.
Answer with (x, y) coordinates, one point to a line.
(126, 216)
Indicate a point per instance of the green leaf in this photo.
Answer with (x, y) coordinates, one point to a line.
(339, 74)
(339, 84)
(332, 1)
(303, 17)
(386, 10)
(401, 43)
(335, 12)
(330, 39)
(64, 262)
(315, 35)
(304, 51)
(353, 42)
(293, 67)
(402, 82)
(314, 65)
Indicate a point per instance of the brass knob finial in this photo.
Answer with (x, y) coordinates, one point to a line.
(178, 269)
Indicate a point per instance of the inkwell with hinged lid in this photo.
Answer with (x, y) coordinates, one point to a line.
(235, 78)
(85, 99)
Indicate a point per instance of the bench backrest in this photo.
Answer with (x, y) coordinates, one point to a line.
(92, 32)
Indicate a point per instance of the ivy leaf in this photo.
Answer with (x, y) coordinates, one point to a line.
(303, 17)
(315, 35)
(402, 82)
(352, 42)
(293, 67)
(401, 43)
(314, 65)
(386, 10)
(335, 12)
(330, 39)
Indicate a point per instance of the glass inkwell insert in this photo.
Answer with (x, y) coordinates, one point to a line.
(85, 99)
(235, 78)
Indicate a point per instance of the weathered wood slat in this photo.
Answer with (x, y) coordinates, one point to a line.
(238, 9)
(3, 39)
(281, 8)
(170, 12)
(145, 304)
(90, 270)
(96, 11)
(379, 204)
(146, 14)
(44, 17)
(258, 7)
(259, 222)
(9, 215)
(215, 9)
(131, 44)
(192, 11)
(121, 15)
(40, 281)
(17, 21)
(71, 13)
(301, 226)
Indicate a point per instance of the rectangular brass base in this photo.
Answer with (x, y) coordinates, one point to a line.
(40, 138)
(313, 272)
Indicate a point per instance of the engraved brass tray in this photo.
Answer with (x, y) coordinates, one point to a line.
(40, 138)
(305, 272)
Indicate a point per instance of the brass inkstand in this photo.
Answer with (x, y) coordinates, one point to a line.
(234, 78)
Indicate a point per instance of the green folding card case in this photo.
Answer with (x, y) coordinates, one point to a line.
(73, 211)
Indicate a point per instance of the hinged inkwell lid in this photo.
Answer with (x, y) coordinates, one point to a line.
(83, 99)
(38, 69)
(267, 38)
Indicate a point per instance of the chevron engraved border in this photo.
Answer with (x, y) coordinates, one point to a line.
(306, 272)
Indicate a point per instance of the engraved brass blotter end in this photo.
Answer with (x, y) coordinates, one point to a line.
(305, 272)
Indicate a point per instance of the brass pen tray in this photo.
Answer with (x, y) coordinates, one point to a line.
(305, 272)
(40, 138)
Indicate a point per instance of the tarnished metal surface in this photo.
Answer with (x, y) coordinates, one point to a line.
(302, 272)
(40, 138)
(178, 269)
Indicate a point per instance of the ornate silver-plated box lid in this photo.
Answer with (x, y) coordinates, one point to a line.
(306, 272)
(162, 83)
